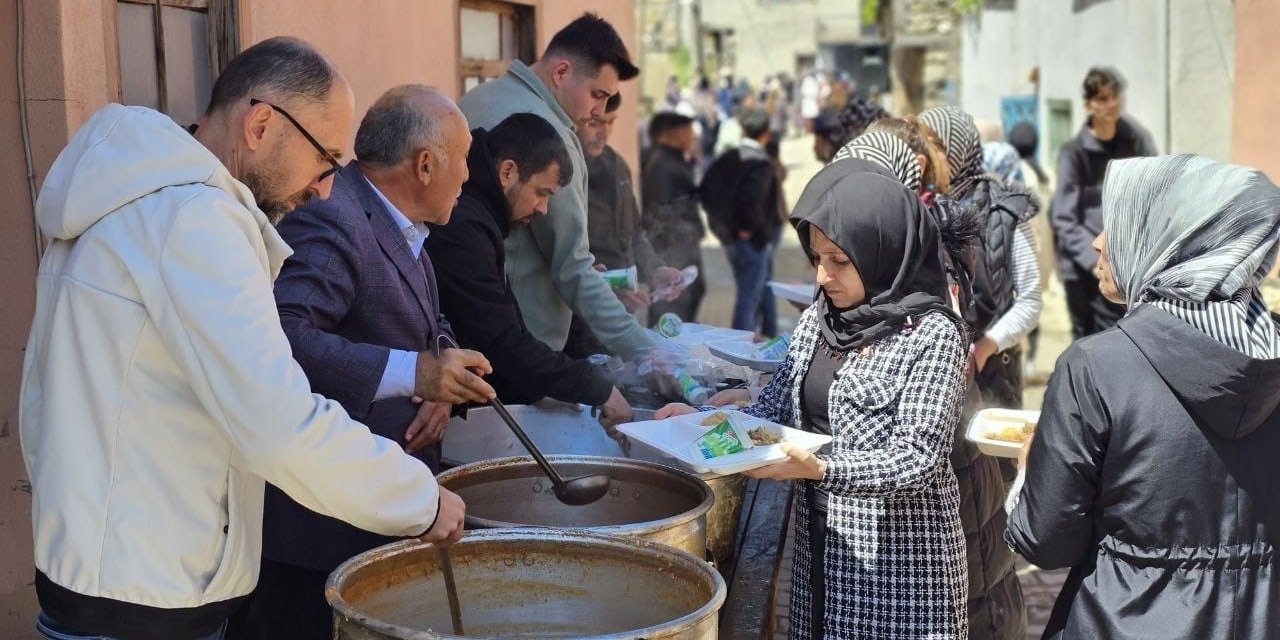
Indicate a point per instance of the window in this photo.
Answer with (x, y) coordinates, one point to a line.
(169, 52)
(1060, 131)
(491, 35)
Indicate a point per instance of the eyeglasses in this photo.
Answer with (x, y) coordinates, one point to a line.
(334, 166)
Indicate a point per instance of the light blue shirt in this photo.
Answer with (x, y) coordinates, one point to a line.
(402, 366)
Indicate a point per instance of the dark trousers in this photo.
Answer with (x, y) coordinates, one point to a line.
(755, 307)
(288, 603)
(47, 629)
(1090, 312)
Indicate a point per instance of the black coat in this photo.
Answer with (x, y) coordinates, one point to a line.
(742, 192)
(469, 257)
(613, 217)
(1076, 212)
(669, 196)
(1153, 475)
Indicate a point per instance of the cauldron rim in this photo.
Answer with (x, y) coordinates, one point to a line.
(629, 529)
(334, 584)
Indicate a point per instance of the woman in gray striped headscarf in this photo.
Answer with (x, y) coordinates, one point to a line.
(1195, 238)
(963, 146)
(1153, 471)
(888, 151)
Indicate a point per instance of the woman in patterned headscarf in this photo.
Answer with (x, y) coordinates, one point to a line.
(1152, 473)
(1007, 299)
(963, 146)
(888, 151)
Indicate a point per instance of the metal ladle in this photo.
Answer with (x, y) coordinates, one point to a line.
(575, 491)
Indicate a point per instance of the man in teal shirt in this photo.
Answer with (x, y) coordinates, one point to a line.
(549, 262)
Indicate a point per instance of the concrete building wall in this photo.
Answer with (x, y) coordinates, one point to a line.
(18, 262)
(1257, 95)
(1178, 65)
(769, 35)
(1001, 48)
(1201, 72)
(70, 72)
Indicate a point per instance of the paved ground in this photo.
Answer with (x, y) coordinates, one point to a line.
(1039, 587)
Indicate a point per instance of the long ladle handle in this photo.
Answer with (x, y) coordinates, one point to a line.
(528, 444)
(451, 590)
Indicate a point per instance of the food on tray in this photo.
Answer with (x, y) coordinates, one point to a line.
(1010, 429)
(714, 419)
(721, 440)
(764, 436)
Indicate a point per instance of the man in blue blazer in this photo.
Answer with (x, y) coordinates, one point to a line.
(359, 304)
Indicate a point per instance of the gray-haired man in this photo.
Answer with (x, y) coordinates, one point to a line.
(359, 303)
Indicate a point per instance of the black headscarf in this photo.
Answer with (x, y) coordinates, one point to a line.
(890, 238)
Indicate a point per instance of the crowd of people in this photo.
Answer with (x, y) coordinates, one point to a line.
(245, 350)
(929, 268)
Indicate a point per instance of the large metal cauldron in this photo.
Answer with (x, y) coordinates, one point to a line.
(645, 500)
(560, 428)
(515, 583)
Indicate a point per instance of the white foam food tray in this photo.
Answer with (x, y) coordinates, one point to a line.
(802, 293)
(743, 353)
(987, 421)
(673, 436)
(693, 334)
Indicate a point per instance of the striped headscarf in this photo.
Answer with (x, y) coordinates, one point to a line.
(888, 151)
(1001, 160)
(963, 147)
(1195, 237)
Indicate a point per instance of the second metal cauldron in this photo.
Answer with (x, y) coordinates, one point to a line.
(560, 428)
(645, 500)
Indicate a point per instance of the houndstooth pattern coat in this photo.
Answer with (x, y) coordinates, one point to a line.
(895, 554)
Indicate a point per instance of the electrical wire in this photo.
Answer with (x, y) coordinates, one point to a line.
(26, 131)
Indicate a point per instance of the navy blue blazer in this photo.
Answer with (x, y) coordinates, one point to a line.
(350, 293)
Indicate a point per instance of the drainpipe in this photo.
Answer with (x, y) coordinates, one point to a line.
(26, 133)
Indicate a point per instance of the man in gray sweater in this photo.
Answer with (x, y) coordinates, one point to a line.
(549, 262)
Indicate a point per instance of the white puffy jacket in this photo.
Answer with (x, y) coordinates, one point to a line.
(159, 391)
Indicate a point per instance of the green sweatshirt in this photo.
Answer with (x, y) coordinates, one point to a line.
(549, 262)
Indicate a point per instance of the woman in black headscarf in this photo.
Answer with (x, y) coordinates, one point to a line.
(877, 362)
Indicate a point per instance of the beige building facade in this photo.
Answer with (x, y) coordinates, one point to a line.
(79, 55)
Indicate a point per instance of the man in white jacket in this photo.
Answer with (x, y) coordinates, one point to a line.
(159, 390)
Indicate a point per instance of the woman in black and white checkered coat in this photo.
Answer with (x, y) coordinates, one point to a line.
(877, 362)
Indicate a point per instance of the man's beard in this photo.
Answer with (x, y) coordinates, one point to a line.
(263, 187)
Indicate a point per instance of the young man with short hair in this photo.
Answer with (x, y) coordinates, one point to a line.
(551, 269)
(1076, 213)
(515, 169)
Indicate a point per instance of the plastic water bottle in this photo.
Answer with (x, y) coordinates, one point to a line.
(670, 324)
(692, 390)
